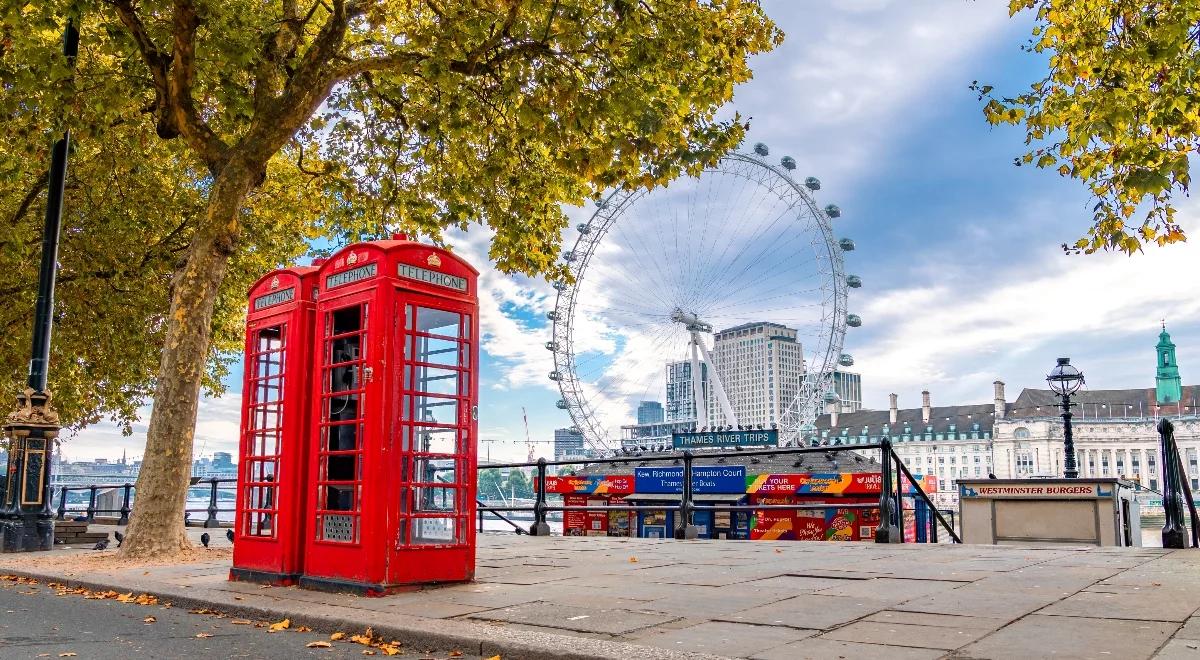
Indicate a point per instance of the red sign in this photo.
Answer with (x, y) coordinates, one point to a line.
(620, 484)
(846, 483)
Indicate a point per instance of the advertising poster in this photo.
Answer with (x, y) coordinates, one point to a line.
(772, 524)
(575, 522)
(597, 521)
(590, 485)
(858, 483)
(705, 479)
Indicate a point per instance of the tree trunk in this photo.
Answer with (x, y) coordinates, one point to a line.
(156, 524)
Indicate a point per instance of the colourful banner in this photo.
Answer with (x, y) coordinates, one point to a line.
(597, 484)
(858, 483)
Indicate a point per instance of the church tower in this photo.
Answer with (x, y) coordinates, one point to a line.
(1167, 383)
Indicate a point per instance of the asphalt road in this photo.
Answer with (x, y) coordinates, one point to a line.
(37, 623)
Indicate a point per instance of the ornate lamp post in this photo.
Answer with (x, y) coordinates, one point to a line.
(1064, 380)
(26, 522)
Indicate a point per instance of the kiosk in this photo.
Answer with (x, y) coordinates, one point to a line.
(391, 485)
(269, 525)
(1085, 511)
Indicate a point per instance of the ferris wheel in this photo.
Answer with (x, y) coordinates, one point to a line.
(653, 275)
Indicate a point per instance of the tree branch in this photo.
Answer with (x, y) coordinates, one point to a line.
(27, 201)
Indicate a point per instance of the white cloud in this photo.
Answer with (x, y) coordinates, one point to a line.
(217, 429)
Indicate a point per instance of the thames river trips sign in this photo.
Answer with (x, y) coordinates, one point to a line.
(708, 439)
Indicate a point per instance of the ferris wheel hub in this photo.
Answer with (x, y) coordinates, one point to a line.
(690, 321)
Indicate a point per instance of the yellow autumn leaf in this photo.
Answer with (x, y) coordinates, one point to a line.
(281, 625)
(241, 622)
(494, 657)
(149, 619)
(390, 650)
(203, 635)
(319, 644)
(337, 635)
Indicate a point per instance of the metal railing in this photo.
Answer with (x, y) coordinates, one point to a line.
(1176, 491)
(893, 474)
(211, 511)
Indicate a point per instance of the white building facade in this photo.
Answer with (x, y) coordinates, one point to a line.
(760, 366)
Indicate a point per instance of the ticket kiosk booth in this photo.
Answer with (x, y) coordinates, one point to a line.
(269, 524)
(391, 483)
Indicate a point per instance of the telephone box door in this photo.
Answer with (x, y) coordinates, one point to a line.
(437, 399)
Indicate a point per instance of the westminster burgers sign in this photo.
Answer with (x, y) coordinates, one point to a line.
(707, 439)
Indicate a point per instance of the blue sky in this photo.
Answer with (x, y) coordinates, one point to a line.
(958, 249)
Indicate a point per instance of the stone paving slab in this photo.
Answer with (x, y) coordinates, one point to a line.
(1039, 636)
(644, 598)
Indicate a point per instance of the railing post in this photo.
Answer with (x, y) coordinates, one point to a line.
(124, 520)
(480, 520)
(91, 507)
(685, 529)
(539, 526)
(887, 531)
(212, 521)
(933, 524)
(1174, 532)
(62, 503)
(900, 490)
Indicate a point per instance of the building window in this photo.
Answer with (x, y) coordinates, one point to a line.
(1021, 433)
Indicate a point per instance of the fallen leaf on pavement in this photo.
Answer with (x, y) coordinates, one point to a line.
(318, 645)
(281, 625)
(149, 619)
(337, 635)
(241, 622)
(302, 629)
(237, 598)
(456, 654)
(368, 652)
(68, 654)
(494, 657)
(203, 635)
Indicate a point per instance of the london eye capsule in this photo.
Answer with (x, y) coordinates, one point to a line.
(788, 163)
(583, 228)
(555, 375)
(853, 320)
(846, 360)
(812, 183)
(562, 286)
(569, 256)
(552, 346)
(552, 315)
(761, 149)
(833, 211)
(561, 404)
(852, 281)
(846, 244)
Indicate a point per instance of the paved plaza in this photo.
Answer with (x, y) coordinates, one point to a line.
(648, 598)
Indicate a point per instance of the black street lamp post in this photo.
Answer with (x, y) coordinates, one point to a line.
(1064, 380)
(26, 521)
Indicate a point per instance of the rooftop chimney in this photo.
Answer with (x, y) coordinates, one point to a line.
(1000, 405)
(892, 412)
(925, 406)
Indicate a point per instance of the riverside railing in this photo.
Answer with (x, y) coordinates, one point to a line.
(1176, 492)
(211, 511)
(893, 474)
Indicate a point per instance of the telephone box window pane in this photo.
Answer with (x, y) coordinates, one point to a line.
(343, 437)
(440, 531)
(347, 319)
(438, 322)
(432, 440)
(436, 351)
(260, 523)
(339, 498)
(343, 468)
(262, 471)
(435, 471)
(436, 411)
(436, 499)
(431, 380)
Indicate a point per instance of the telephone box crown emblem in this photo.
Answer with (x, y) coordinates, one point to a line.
(434, 260)
(352, 258)
(275, 282)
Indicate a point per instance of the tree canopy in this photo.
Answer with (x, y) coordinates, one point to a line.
(402, 114)
(1118, 110)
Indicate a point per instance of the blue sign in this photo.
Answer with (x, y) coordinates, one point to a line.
(763, 438)
(705, 479)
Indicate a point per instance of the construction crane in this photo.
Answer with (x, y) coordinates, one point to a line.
(528, 442)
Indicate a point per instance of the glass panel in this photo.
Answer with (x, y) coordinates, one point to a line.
(260, 523)
(339, 498)
(435, 530)
(431, 498)
(343, 468)
(434, 470)
(343, 437)
(436, 351)
(432, 440)
(437, 322)
(431, 380)
(262, 471)
(435, 410)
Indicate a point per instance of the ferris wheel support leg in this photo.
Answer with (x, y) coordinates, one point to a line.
(730, 418)
(698, 386)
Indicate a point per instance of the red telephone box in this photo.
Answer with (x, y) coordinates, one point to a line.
(275, 420)
(391, 487)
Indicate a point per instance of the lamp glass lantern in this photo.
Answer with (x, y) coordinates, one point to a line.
(1064, 378)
